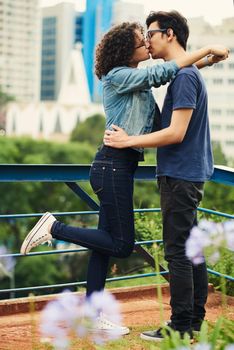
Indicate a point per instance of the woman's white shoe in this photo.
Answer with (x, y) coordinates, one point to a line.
(105, 325)
(39, 234)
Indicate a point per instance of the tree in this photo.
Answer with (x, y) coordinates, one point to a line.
(219, 156)
(91, 130)
(4, 99)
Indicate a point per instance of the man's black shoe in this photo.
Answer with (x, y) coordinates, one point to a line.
(152, 335)
(157, 335)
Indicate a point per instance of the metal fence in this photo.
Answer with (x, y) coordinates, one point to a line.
(71, 175)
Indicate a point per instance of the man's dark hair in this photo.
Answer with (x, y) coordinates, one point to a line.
(173, 20)
(116, 47)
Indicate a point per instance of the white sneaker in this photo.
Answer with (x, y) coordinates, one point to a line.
(39, 234)
(105, 325)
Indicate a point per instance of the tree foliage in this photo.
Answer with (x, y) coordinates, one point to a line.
(91, 130)
(5, 98)
(219, 156)
(36, 197)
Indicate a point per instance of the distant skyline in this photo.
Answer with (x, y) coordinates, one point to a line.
(212, 11)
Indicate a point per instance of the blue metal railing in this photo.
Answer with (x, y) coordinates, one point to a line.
(71, 174)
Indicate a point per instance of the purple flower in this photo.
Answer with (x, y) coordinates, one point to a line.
(7, 263)
(214, 235)
(105, 303)
(202, 346)
(73, 314)
(229, 234)
(229, 347)
(195, 244)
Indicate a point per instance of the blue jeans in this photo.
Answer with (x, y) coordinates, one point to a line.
(111, 177)
(188, 283)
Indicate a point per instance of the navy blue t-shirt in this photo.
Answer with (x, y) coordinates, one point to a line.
(192, 159)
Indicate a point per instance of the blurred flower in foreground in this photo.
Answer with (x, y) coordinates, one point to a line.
(229, 347)
(198, 346)
(209, 234)
(204, 346)
(7, 263)
(76, 316)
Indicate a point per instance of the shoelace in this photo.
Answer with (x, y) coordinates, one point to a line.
(49, 243)
(109, 323)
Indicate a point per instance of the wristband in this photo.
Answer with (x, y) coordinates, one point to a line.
(207, 62)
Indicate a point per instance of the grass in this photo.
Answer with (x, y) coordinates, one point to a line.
(218, 334)
(135, 282)
(129, 342)
(142, 281)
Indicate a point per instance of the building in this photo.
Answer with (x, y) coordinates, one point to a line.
(97, 20)
(219, 80)
(20, 49)
(88, 27)
(124, 11)
(61, 28)
(54, 120)
(47, 120)
(99, 16)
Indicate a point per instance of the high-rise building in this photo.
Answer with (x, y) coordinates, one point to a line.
(219, 80)
(99, 16)
(97, 20)
(61, 28)
(124, 11)
(20, 49)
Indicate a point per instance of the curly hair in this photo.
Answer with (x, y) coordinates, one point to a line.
(116, 47)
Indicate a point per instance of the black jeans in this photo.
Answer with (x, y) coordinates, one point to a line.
(188, 283)
(111, 177)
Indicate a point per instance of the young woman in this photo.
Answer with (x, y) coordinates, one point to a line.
(128, 102)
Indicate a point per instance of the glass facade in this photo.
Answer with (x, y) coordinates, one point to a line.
(79, 22)
(48, 63)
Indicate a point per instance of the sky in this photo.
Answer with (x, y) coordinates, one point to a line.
(212, 10)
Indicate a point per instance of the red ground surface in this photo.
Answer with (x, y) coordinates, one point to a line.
(142, 309)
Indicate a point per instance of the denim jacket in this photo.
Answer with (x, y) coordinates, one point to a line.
(127, 97)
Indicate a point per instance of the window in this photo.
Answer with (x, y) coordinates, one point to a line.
(230, 127)
(217, 81)
(216, 111)
(218, 66)
(215, 127)
(230, 112)
(229, 143)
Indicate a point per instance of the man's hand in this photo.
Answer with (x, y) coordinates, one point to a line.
(215, 59)
(116, 138)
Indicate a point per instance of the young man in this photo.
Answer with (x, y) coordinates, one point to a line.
(184, 163)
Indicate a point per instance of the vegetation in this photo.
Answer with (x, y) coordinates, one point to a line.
(5, 98)
(214, 336)
(56, 197)
(90, 131)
